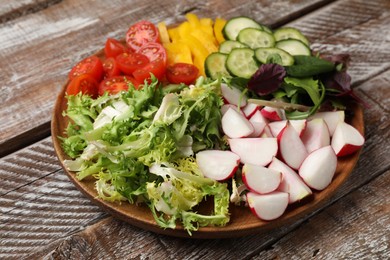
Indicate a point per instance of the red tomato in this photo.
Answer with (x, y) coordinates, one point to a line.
(83, 83)
(129, 62)
(116, 84)
(113, 48)
(153, 51)
(91, 65)
(111, 68)
(141, 33)
(157, 68)
(182, 73)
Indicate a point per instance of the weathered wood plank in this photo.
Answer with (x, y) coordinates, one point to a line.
(38, 50)
(357, 227)
(14, 9)
(69, 211)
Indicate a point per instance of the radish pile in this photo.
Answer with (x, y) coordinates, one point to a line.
(278, 161)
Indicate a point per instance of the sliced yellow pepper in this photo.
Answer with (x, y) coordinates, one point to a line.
(206, 40)
(162, 29)
(178, 52)
(218, 27)
(193, 20)
(174, 34)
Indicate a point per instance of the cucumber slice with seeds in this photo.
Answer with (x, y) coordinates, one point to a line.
(263, 54)
(241, 63)
(215, 65)
(235, 25)
(229, 45)
(293, 47)
(256, 38)
(285, 33)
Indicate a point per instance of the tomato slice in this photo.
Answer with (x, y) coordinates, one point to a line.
(157, 68)
(129, 62)
(91, 65)
(141, 33)
(113, 48)
(116, 84)
(110, 68)
(182, 73)
(83, 83)
(153, 51)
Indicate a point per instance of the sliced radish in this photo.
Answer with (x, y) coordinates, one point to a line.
(268, 206)
(319, 167)
(266, 132)
(258, 128)
(233, 95)
(316, 135)
(216, 164)
(258, 117)
(331, 119)
(277, 126)
(235, 125)
(291, 147)
(273, 114)
(250, 109)
(260, 179)
(226, 107)
(258, 151)
(291, 182)
(346, 139)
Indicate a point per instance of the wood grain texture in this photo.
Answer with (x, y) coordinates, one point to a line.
(64, 33)
(14, 9)
(99, 240)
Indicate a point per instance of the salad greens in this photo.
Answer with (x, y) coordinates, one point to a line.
(138, 145)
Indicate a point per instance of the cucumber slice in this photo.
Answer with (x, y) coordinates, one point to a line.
(256, 38)
(263, 54)
(229, 45)
(235, 25)
(293, 47)
(215, 65)
(290, 33)
(241, 63)
(266, 29)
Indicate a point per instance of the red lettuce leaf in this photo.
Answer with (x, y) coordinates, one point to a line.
(267, 79)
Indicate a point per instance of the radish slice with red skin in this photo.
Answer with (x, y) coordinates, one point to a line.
(316, 135)
(260, 179)
(319, 167)
(331, 118)
(250, 109)
(216, 164)
(273, 114)
(346, 139)
(235, 125)
(268, 206)
(226, 107)
(292, 150)
(233, 95)
(258, 151)
(291, 183)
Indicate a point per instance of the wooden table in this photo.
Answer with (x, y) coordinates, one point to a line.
(42, 214)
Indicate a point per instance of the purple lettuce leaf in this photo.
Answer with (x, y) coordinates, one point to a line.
(267, 79)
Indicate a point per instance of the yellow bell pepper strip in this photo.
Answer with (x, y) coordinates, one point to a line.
(218, 27)
(162, 29)
(174, 34)
(206, 40)
(206, 25)
(193, 20)
(178, 52)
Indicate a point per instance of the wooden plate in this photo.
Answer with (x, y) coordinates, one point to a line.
(242, 222)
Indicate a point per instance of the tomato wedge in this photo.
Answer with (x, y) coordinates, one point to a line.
(141, 33)
(83, 83)
(113, 48)
(116, 84)
(110, 68)
(157, 68)
(129, 62)
(182, 73)
(153, 51)
(91, 65)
